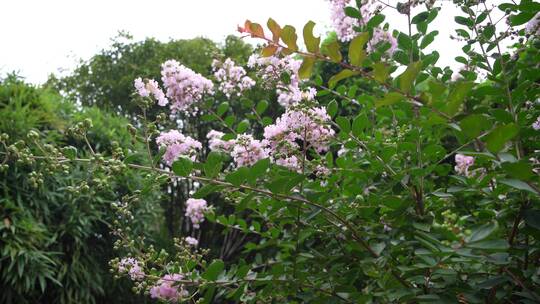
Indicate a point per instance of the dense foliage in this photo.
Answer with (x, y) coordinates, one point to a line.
(55, 230)
(372, 176)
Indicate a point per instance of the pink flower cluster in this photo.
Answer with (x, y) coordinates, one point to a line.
(176, 145)
(195, 209)
(184, 86)
(232, 78)
(536, 124)
(169, 289)
(463, 163)
(247, 151)
(150, 87)
(297, 129)
(271, 69)
(132, 267)
(191, 241)
(216, 143)
(380, 36)
(300, 127)
(343, 24)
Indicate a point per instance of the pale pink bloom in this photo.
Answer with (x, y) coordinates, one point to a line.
(463, 163)
(191, 241)
(291, 163)
(297, 129)
(247, 151)
(184, 87)
(132, 267)
(150, 87)
(343, 24)
(380, 36)
(232, 79)
(270, 70)
(215, 142)
(536, 124)
(195, 209)
(177, 145)
(168, 288)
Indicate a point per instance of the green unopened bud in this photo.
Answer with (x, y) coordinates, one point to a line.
(33, 135)
(88, 123)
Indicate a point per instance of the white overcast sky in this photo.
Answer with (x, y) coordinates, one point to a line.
(40, 37)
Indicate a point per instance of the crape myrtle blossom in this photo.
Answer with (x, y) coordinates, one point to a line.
(380, 36)
(150, 87)
(132, 267)
(297, 129)
(177, 144)
(216, 143)
(247, 151)
(292, 94)
(343, 24)
(184, 87)
(271, 71)
(191, 241)
(195, 209)
(168, 289)
(536, 124)
(232, 78)
(463, 163)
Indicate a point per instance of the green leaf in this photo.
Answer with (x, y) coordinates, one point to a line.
(238, 177)
(375, 20)
(457, 96)
(482, 232)
(206, 190)
(340, 76)
(312, 42)
(213, 164)
(520, 170)
(468, 22)
(283, 185)
(420, 18)
(520, 185)
(182, 166)
(490, 245)
(521, 18)
(344, 124)
(258, 169)
(389, 99)
(532, 218)
(380, 72)
(222, 108)
(428, 39)
(496, 140)
(261, 107)
(242, 126)
(213, 271)
(288, 35)
(404, 42)
(473, 125)
(332, 50)
(360, 122)
(356, 49)
(406, 80)
(306, 68)
(332, 108)
(353, 12)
